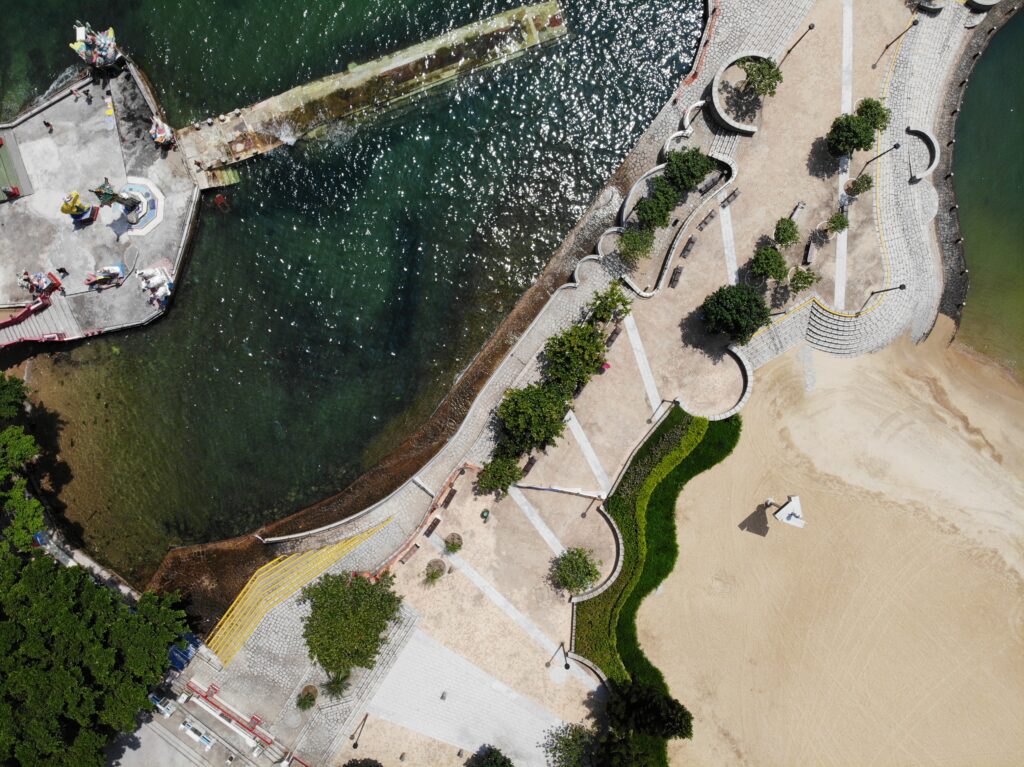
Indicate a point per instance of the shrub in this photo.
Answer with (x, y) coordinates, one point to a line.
(849, 133)
(786, 232)
(738, 310)
(453, 543)
(434, 572)
(569, 745)
(802, 279)
(876, 115)
(685, 169)
(769, 263)
(653, 211)
(610, 304)
(306, 700)
(648, 710)
(26, 516)
(573, 356)
(837, 222)
(335, 686)
(576, 570)
(861, 184)
(489, 756)
(348, 616)
(635, 243)
(498, 474)
(531, 417)
(12, 395)
(763, 75)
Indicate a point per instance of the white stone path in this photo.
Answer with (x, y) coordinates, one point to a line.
(537, 521)
(488, 590)
(846, 105)
(728, 240)
(588, 452)
(476, 707)
(633, 333)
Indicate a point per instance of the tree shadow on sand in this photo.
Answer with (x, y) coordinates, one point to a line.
(821, 163)
(693, 333)
(741, 103)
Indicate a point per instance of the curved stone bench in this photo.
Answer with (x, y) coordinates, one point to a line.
(982, 5)
(933, 150)
(932, 6)
(716, 104)
(627, 204)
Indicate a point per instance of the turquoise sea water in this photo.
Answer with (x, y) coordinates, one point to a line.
(326, 315)
(989, 169)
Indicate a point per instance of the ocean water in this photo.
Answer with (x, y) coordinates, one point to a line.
(989, 169)
(327, 313)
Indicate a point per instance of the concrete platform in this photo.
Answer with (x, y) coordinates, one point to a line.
(94, 136)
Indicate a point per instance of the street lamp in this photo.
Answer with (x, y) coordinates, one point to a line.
(901, 286)
(913, 24)
(793, 47)
(880, 154)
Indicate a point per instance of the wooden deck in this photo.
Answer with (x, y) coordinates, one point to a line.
(362, 89)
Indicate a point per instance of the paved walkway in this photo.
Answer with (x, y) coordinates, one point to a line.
(588, 452)
(650, 388)
(728, 240)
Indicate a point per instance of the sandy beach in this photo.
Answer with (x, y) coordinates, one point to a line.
(891, 629)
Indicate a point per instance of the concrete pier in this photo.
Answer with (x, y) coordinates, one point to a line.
(364, 88)
(71, 143)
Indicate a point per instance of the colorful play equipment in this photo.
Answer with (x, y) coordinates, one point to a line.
(80, 212)
(107, 276)
(98, 49)
(161, 132)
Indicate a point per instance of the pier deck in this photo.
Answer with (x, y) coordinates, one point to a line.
(371, 87)
(93, 136)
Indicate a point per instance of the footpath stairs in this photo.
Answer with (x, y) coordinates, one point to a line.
(51, 323)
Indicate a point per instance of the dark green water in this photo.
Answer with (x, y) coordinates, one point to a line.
(328, 313)
(989, 169)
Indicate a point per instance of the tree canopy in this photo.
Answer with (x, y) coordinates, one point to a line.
(763, 75)
(848, 134)
(875, 113)
(738, 310)
(76, 662)
(641, 708)
(576, 570)
(786, 232)
(348, 617)
(769, 263)
(686, 168)
(532, 416)
(12, 396)
(573, 356)
(837, 222)
(489, 756)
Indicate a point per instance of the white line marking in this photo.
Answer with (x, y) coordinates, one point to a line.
(535, 519)
(641, 360)
(598, 494)
(839, 296)
(847, 103)
(588, 451)
(728, 241)
(509, 609)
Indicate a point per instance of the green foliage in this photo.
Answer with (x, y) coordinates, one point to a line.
(489, 756)
(348, 615)
(685, 169)
(306, 700)
(837, 222)
(620, 749)
(653, 211)
(769, 263)
(498, 474)
(569, 745)
(861, 184)
(763, 75)
(531, 417)
(76, 663)
(648, 710)
(26, 516)
(802, 279)
(635, 243)
(786, 232)
(16, 449)
(335, 687)
(12, 396)
(849, 133)
(453, 544)
(576, 570)
(610, 304)
(573, 356)
(874, 113)
(738, 310)
(433, 573)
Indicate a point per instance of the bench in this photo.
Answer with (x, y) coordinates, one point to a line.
(690, 245)
(408, 555)
(676, 274)
(431, 527)
(611, 339)
(731, 198)
(529, 465)
(448, 499)
(707, 219)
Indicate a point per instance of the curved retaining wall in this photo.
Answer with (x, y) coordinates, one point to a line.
(933, 151)
(717, 109)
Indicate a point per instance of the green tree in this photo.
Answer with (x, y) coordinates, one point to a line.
(489, 756)
(531, 417)
(16, 449)
(498, 474)
(786, 232)
(837, 222)
(76, 662)
(348, 616)
(569, 745)
(763, 75)
(861, 184)
(306, 700)
(610, 304)
(876, 115)
(642, 708)
(573, 356)
(685, 169)
(802, 279)
(617, 749)
(653, 211)
(12, 396)
(848, 134)
(738, 310)
(576, 570)
(635, 243)
(769, 263)
(26, 516)
(335, 686)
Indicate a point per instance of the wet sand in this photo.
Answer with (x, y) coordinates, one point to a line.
(891, 629)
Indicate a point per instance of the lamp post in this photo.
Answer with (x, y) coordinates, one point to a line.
(913, 24)
(901, 286)
(880, 154)
(793, 47)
